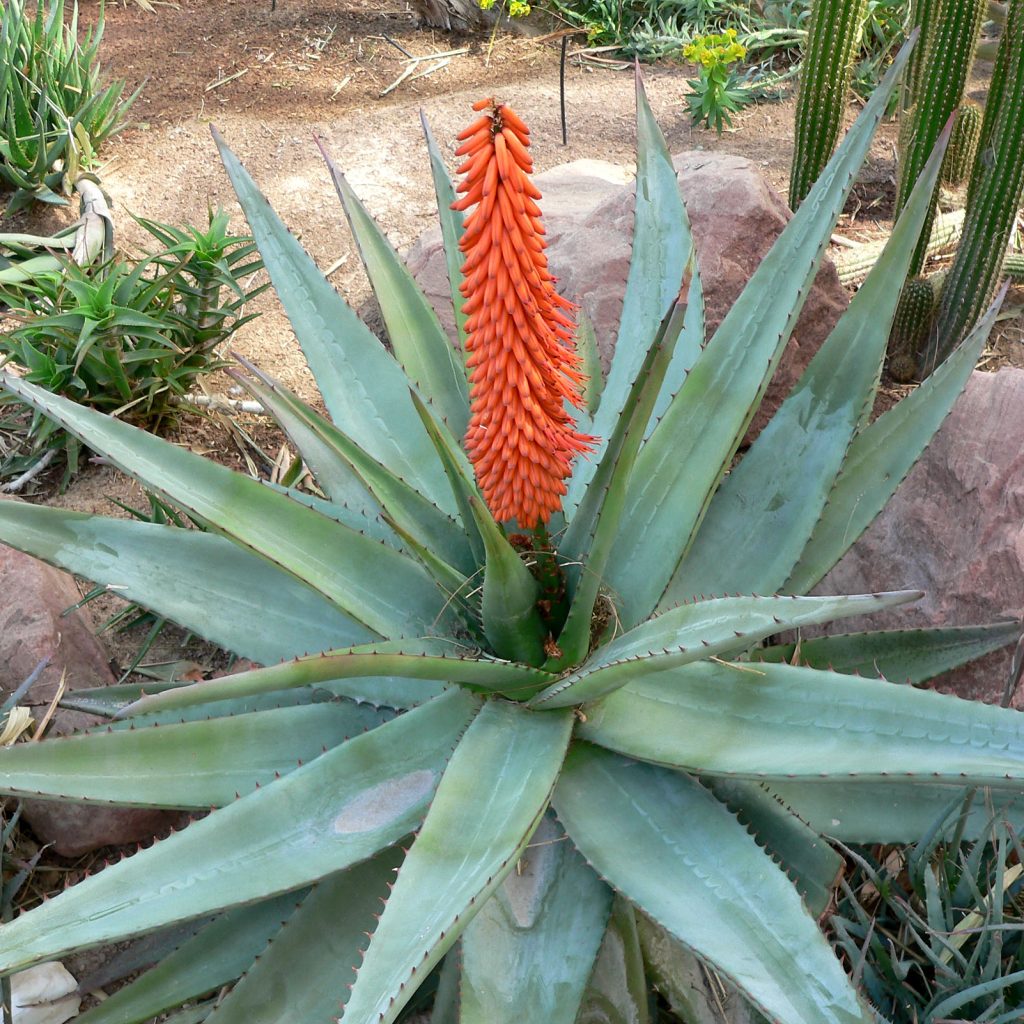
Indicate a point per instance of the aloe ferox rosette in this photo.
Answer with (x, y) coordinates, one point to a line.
(547, 746)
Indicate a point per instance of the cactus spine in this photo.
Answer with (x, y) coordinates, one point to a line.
(833, 37)
(938, 77)
(997, 183)
(963, 146)
(915, 315)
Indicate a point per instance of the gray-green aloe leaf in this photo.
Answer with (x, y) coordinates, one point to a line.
(191, 765)
(451, 227)
(433, 659)
(662, 245)
(372, 583)
(900, 655)
(426, 355)
(693, 632)
(782, 722)
(463, 852)
(155, 565)
(363, 387)
(684, 459)
(528, 953)
(617, 992)
(305, 975)
(329, 814)
(896, 811)
(216, 956)
(763, 514)
(663, 841)
(880, 457)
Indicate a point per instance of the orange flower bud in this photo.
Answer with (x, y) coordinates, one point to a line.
(523, 364)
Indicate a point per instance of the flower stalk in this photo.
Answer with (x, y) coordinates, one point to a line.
(519, 331)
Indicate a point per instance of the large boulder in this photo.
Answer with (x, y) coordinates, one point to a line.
(35, 624)
(955, 529)
(588, 211)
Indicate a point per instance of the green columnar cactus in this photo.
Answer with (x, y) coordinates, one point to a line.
(945, 53)
(994, 196)
(832, 40)
(914, 316)
(1013, 266)
(963, 146)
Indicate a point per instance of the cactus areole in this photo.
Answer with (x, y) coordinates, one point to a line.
(523, 364)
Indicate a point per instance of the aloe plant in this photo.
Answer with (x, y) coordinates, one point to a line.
(520, 737)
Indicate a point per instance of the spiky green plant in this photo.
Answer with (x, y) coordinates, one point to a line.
(833, 39)
(54, 113)
(944, 57)
(915, 315)
(648, 745)
(993, 197)
(963, 145)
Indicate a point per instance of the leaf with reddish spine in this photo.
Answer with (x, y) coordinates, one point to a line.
(419, 342)
(667, 845)
(194, 765)
(693, 632)
(430, 659)
(463, 852)
(765, 721)
(336, 811)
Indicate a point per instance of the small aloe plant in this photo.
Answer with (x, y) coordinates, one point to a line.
(539, 740)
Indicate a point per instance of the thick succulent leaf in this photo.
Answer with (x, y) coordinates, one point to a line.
(694, 994)
(334, 812)
(694, 632)
(386, 691)
(591, 535)
(617, 992)
(451, 226)
(363, 387)
(191, 765)
(362, 520)
(372, 583)
(304, 977)
(662, 245)
(216, 956)
(782, 722)
(419, 342)
(224, 598)
(463, 852)
(590, 361)
(687, 454)
(431, 659)
(529, 952)
(895, 811)
(446, 1000)
(881, 456)
(811, 864)
(900, 655)
(762, 516)
(511, 620)
(663, 841)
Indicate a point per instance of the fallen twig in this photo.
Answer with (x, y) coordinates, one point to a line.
(220, 403)
(30, 474)
(226, 79)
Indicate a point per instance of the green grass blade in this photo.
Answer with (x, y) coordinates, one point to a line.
(782, 722)
(334, 812)
(662, 245)
(152, 564)
(463, 852)
(900, 655)
(529, 952)
(763, 514)
(439, 660)
(451, 227)
(725, 899)
(694, 632)
(190, 765)
(372, 583)
(363, 387)
(419, 342)
(304, 977)
(681, 465)
(219, 954)
(881, 456)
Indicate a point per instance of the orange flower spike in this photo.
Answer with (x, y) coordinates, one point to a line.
(523, 367)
